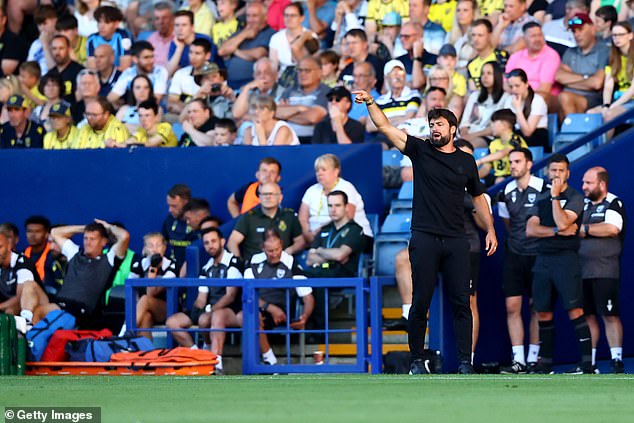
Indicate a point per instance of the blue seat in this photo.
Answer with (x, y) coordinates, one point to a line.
(373, 218)
(392, 158)
(401, 206)
(396, 223)
(479, 153)
(386, 247)
(178, 130)
(144, 35)
(407, 191)
(552, 127)
(581, 123)
(538, 153)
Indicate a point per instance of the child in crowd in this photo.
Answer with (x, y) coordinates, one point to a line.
(502, 124)
(29, 78)
(63, 134)
(68, 27)
(227, 24)
(109, 18)
(226, 132)
(152, 132)
(45, 18)
(329, 67)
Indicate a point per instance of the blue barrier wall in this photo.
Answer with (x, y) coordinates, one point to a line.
(73, 187)
(494, 344)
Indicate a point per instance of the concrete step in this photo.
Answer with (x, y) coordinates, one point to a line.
(389, 336)
(392, 313)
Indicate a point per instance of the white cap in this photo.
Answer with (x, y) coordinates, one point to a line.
(391, 65)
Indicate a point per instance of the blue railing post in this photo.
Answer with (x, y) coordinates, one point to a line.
(376, 325)
(250, 327)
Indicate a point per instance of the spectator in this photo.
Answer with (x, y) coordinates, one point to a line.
(144, 59)
(20, 132)
(65, 67)
(90, 273)
(211, 302)
(275, 13)
(418, 126)
(67, 26)
(273, 263)
(448, 58)
(329, 67)
(387, 43)
(246, 197)
(529, 108)
(162, 38)
(103, 129)
(617, 86)
(507, 34)
(63, 134)
(502, 123)
(358, 50)
(9, 86)
(313, 213)
(434, 35)
(417, 60)
(53, 87)
(364, 79)
(214, 89)
(203, 16)
(84, 13)
(349, 14)
(539, 61)
(29, 78)
(227, 25)
(440, 76)
(225, 132)
(151, 307)
(458, 36)
(515, 203)
(378, 9)
(264, 83)
(306, 105)
(475, 125)
(337, 127)
(39, 252)
(198, 125)
(400, 102)
(335, 253)
(558, 33)
(604, 19)
(107, 71)
(266, 130)
(153, 132)
(19, 270)
(485, 52)
(582, 69)
(45, 18)
(175, 230)
(183, 84)
(108, 20)
(141, 90)
(88, 86)
(245, 47)
(246, 238)
(318, 14)
(194, 212)
(14, 49)
(184, 36)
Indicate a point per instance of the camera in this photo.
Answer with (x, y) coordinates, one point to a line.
(156, 260)
(348, 82)
(215, 88)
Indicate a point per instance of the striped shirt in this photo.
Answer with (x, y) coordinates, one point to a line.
(408, 101)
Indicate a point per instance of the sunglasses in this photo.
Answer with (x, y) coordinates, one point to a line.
(576, 21)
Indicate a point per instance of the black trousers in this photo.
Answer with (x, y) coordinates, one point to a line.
(430, 254)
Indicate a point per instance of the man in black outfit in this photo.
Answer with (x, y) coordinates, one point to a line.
(338, 127)
(438, 243)
(555, 221)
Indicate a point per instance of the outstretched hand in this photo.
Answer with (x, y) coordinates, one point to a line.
(361, 96)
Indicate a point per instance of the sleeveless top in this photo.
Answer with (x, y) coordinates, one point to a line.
(271, 139)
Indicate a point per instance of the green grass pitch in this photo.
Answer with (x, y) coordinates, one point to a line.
(334, 398)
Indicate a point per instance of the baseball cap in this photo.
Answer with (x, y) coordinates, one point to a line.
(339, 92)
(60, 109)
(16, 102)
(391, 65)
(391, 19)
(578, 20)
(447, 50)
(206, 69)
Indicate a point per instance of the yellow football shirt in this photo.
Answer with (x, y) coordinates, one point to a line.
(114, 129)
(53, 142)
(164, 130)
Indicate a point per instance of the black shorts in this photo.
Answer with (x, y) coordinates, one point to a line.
(474, 274)
(601, 296)
(518, 274)
(557, 275)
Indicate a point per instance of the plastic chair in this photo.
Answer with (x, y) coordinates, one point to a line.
(407, 191)
(538, 153)
(396, 223)
(392, 158)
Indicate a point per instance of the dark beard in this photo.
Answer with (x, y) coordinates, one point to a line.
(443, 141)
(594, 195)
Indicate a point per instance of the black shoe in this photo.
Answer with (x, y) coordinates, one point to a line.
(400, 324)
(617, 366)
(540, 369)
(530, 367)
(514, 369)
(466, 368)
(419, 367)
(583, 369)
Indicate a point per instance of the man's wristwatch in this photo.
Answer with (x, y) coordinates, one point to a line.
(369, 102)
(555, 198)
(264, 307)
(418, 59)
(555, 230)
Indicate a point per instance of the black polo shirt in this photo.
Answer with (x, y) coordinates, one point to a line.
(186, 140)
(32, 137)
(324, 134)
(12, 47)
(179, 236)
(350, 234)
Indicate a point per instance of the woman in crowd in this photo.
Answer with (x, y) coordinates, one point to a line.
(142, 90)
(266, 130)
(313, 212)
(466, 13)
(86, 23)
(439, 76)
(9, 86)
(530, 110)
(53, 88)
(475, 125)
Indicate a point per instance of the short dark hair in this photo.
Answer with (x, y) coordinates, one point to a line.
(435, 88)
(272, 160)
(196, 204)
(210, 230)
(61, 37)
(140, 46)
(228, 124)
(43, 13)
(106, 106)
(340, 193)
(558, 158)
(38, 220)
(298, 6)
(55, 78)
(108, 14)
(461, 142)
(443, 113)
(525, 151)
(66, 22)
(357, 33)
(608, 13)
(9, 227)
(202, 42)
(329, 56)
(485, 22)
(529, 25)
(180, 190)
(505, 115)
(211, 218)
(96, 227)
(150, 104)
(187, 13)
(32, 68)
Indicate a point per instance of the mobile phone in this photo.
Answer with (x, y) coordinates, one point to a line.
(348, 81)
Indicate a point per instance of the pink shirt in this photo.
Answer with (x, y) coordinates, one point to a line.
(275, 14)
(539, 68)
(161, 47)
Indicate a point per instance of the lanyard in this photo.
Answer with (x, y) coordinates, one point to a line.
(330, 241)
